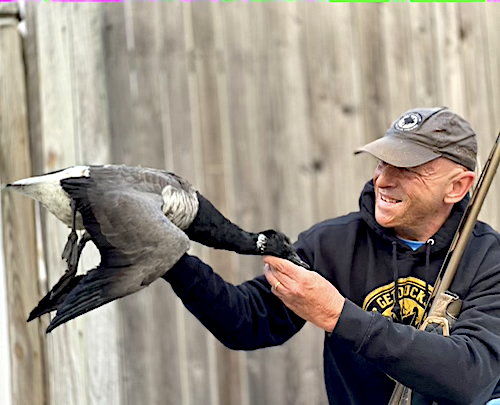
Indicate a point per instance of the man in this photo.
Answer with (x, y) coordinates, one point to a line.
(373, 272)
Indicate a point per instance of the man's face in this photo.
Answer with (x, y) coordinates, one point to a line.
(411, 200)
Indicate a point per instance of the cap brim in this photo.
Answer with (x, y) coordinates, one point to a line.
(399, 152)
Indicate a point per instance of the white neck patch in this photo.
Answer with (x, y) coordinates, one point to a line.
(261, 243)
(180, 206)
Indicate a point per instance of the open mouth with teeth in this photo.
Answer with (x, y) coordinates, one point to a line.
(389, 200)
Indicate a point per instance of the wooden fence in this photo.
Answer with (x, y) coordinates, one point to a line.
(260, 105)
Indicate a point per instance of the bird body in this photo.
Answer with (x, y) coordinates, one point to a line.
(142, 221)
(179, 198)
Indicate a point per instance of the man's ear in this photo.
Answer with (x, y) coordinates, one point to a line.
(459, 187)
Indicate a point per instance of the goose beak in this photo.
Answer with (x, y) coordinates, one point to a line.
(295, 258)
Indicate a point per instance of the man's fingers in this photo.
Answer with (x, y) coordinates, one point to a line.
(273, 261)
(283, 266)
(269, 275)
(273, 278)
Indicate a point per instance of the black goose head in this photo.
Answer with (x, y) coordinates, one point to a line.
(274, 243)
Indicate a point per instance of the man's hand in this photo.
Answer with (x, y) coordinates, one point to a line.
(309, 295)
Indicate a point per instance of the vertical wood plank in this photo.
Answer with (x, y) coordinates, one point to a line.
(471, 21)
(370, 54)
(231, 384)
(5, 362)
(18, 226)
(336, 111)
(66, 376)
(399, 59)
(33, 88)
(118, 39)
(73, 122)
(199, 38)
(261, 109)
(136, 139)
(177, 140)
(167, 379)
(93, 144)
(144, 146)
(491, 48)
(267, 372)
(235, 42)
(295, 206)
(449, 57)
(423, 51)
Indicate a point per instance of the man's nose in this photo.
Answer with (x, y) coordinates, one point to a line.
(385, 174)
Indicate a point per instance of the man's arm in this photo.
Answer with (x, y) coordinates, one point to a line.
(460, 369)
(305, 292)
(243, 317)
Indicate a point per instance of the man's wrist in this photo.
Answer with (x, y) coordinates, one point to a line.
(338, 306)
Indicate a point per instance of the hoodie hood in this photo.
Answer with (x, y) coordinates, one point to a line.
(442, 238)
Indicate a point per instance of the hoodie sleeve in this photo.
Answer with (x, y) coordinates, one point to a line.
(243, 317)
(460, 369)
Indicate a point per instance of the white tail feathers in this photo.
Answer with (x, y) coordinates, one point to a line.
(47, 189)
(73, 171)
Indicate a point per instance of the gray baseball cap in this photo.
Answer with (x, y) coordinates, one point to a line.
(424, 134)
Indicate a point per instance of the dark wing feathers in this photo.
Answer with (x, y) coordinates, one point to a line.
(137, 243)
(50, 303)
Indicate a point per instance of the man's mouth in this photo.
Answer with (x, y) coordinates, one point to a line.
(388, 199)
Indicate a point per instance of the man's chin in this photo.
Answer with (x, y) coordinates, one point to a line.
(384, 221)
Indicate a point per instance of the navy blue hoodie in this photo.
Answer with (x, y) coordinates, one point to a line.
(375, 340)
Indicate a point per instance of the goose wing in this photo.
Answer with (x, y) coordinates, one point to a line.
(137, 243)
(140, 178)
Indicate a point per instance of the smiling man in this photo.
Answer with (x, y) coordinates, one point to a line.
(374, 270)
(416, 201)
(426, 164)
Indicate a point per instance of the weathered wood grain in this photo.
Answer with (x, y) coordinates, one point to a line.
(5, 365)
(335, 109)
(449, 57)
(491, 48)
(260, 106)
(18, 227)
(370, 55)
(230, 382)
(136, 139)
(200, 349)
(33, 89)
(423, 53)
(9, 9)
(177, 144)
(66, 347)
(399, 58)
(475, 55)
(93, 146)
(74, 127)
(267, 374)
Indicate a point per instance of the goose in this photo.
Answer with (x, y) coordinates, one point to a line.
(142, 221)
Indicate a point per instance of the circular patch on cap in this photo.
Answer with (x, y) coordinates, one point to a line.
(408, 122)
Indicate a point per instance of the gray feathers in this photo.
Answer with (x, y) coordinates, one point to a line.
(126, 211)
(142, 221)
(140, 245)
